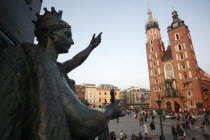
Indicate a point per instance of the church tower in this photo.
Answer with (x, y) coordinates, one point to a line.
(174, 74)
(155, 50)
(185, 64)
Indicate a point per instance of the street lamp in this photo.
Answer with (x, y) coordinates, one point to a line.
(160, 113)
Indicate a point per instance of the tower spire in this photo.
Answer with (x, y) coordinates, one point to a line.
(150, 18)
(151, 23)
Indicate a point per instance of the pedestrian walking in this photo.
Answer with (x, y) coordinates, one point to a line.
(146, 137)
(174, 133)
(125, 136)
(153, 118)
(180, 133)
(140, 136)
(152, 128)
(145, 128)
(121, 135)
(133, 136)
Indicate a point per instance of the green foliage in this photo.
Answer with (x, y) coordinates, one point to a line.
(85, 102)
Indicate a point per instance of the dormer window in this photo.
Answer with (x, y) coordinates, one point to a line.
(177, 37)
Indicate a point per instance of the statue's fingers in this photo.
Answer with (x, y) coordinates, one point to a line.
(93, 37)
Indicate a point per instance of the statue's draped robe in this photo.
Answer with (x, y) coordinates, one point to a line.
(30, 104)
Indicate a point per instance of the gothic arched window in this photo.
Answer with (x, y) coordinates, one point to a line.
(183, 65)
(185, 75)
(180, 47)
(177, 37)
(156, 73)
(181, 56)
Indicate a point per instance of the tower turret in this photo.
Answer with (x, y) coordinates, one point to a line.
(177, 22)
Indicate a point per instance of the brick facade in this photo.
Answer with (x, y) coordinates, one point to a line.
(174, 73)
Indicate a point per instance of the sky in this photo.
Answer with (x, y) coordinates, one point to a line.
(121, 59)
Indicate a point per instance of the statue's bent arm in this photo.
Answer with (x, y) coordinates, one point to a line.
(83, 121)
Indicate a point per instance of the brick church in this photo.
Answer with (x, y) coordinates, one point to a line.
(174, 74)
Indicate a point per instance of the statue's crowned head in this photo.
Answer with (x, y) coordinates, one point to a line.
(48, 22)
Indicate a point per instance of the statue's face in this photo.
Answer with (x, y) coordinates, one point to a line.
(62, 40)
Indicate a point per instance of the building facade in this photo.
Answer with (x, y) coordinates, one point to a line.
(135, 97)
(91, 94)
(103, 92)
(174, 74)
(80, 92)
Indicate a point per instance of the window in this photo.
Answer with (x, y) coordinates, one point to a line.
(156, 81)
(153, 56)
(185, 75)
(155, 64)
(183, 65)
(181, 56)
(150, 41)
(105, 101)
(99, 100)
(180, 47)
(177, 37)
(104, 93)
(115, 93)
(189, 94)
(191, 103)
(206, 94)
(152, 49)
(99, 93)
(156, 72)
(159, 88)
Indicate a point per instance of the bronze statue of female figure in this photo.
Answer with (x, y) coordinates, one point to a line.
(41, 103)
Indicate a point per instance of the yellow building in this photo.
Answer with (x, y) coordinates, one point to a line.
(103, 92)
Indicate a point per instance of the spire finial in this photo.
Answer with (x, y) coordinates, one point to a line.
(150, 18)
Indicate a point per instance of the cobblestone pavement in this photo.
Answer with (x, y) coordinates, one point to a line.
(130, 125)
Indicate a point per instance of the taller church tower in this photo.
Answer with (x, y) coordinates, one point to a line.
(155, 50)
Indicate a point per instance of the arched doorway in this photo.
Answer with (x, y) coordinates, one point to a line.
(176, 107)
(168, 106)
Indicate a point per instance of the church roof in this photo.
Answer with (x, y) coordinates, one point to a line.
(167, 54)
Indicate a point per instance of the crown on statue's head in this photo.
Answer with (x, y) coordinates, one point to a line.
(49, 19)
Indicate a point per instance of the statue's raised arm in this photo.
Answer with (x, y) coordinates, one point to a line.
(78, 59)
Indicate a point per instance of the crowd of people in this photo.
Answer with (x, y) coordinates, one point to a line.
(185, 122)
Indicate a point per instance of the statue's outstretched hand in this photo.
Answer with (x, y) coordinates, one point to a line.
(95, 40)
(114, 110)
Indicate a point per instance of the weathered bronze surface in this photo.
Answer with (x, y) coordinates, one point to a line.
(37, 100)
